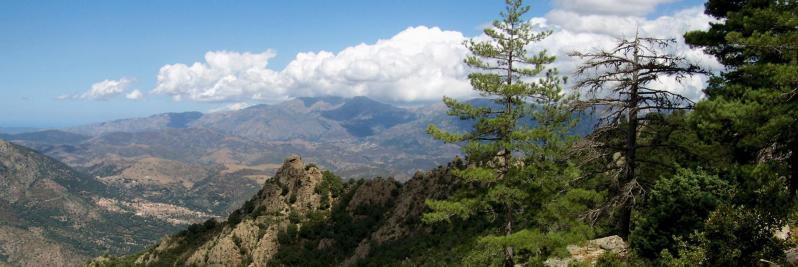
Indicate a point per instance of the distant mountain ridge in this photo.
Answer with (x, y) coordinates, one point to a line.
(353, 136)
(154, 122)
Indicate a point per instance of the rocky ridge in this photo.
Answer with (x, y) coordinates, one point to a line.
(290, 208)
(247, 238)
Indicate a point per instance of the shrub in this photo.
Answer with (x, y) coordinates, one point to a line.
(676, 207)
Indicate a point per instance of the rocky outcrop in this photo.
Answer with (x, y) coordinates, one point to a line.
(383, 209)
(301, 183)
(591, 251)
(249, 237)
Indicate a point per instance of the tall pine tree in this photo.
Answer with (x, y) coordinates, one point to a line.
(752, 107)
(507, 158)
(751, 115)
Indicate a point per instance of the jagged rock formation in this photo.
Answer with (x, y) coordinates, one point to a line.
(249, 237)
(288, 217)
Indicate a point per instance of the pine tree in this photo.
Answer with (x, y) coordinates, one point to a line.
(618, 81)
(752, 107)
(751, 114)
(507, 157)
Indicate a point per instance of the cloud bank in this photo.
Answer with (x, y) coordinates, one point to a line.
(422, 64)
(417, 64)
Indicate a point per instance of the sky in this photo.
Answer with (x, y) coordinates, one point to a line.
(66, 63)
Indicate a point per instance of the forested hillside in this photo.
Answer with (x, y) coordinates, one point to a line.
(51, 214)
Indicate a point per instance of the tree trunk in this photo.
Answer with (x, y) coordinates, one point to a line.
(624, 222)
(793, 187)
(509, 260)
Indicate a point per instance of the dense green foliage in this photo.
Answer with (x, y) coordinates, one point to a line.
(676, 206)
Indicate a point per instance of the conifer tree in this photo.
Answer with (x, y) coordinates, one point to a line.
(506, 156)
(750, 114)
(618, 82)
(752, 107)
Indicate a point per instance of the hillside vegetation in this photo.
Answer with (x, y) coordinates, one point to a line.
(49, 214)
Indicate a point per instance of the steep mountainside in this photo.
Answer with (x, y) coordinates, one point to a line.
(307, 217)
(53, 210)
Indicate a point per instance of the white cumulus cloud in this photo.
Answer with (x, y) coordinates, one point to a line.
(224, 75)
(421, 64)
(134, 95)
(417, 64)
(105, 89)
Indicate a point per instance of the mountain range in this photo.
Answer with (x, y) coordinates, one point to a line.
(70, 192)
(352, 136)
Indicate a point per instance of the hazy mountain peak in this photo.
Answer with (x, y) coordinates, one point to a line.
(362, 116)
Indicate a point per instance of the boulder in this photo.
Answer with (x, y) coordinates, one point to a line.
(590, 251)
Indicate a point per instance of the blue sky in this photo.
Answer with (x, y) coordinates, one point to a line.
(57, 48)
